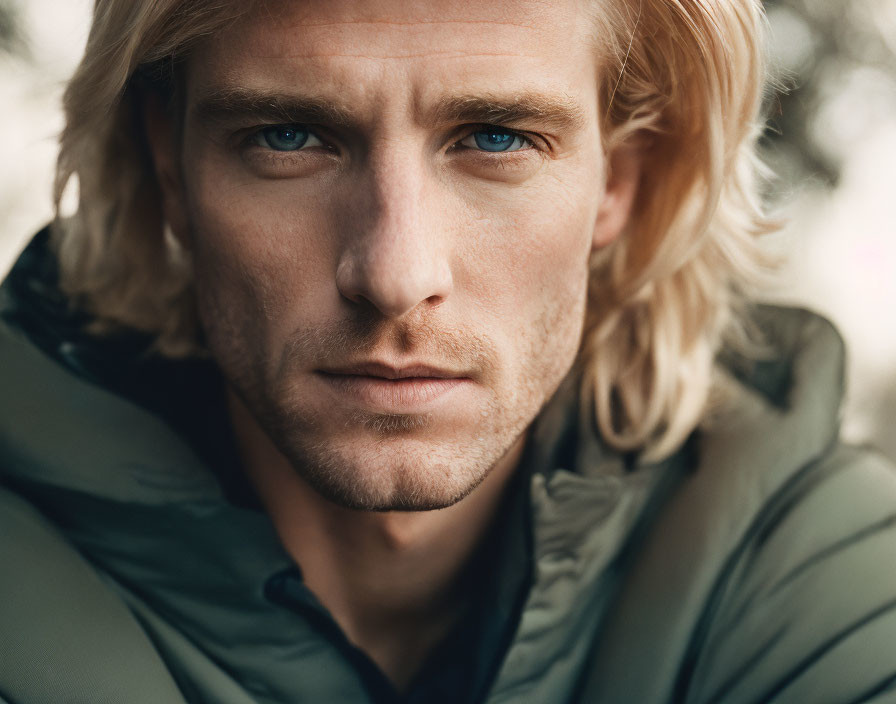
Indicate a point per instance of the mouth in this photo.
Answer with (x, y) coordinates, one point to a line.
(384, 388)
(388, 372)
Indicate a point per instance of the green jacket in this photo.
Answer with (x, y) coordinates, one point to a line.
(757, 565)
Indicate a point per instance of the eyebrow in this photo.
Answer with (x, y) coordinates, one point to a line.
(552, 111)
(228, 104)
(558, 112)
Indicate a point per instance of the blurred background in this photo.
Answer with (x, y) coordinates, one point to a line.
(831, 140)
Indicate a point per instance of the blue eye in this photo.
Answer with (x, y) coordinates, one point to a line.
(283, 138)
(495, 139)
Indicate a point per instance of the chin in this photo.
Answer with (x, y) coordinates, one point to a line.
(394, 474)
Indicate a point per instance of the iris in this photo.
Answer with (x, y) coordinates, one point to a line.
(285, 138)
(495, 140)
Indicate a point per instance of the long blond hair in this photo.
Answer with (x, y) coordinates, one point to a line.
(684, 76)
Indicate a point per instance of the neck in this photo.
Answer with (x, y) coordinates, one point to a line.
(393, 581)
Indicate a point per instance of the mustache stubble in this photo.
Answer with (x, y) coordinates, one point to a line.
(362, 337)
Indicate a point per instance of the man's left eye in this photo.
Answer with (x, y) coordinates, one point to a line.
(495, 139)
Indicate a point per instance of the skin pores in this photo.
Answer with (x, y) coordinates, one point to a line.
(391, 208)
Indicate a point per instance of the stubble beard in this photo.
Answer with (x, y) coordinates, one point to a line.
(401, 462)
(391, 462)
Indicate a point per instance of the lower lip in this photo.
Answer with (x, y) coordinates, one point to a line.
(393, 395)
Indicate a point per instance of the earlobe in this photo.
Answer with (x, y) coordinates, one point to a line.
(624, 166)
(160, 135)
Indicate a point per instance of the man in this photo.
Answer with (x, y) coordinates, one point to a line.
(393, 356)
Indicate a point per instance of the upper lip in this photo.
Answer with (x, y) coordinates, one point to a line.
(388, 371)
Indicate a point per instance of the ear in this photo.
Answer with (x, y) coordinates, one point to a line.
(624, 166)
(164, 147)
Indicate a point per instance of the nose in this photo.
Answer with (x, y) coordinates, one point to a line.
(396, 255)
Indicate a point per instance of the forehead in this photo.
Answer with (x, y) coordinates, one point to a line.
(369, 52)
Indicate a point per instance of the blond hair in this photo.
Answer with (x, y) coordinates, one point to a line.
(684, 77)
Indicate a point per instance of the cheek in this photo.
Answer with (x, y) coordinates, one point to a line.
(257, 252)
(527, 278)
(531, 251)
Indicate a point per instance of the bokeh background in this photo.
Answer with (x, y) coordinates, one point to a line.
(831, 140)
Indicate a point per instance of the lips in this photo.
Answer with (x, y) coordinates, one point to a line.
(386, 371)
(393, 389)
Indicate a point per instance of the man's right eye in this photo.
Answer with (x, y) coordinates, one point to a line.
(285, 138)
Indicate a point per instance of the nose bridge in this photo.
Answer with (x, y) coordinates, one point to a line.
(398, 189)
(397, 256)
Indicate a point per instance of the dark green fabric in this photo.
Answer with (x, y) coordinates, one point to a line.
(755, 565)
(64, 635)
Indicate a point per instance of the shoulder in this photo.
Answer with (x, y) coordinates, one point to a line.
(745, 595)
(64, 632)
(805, 609)
(773, 564)
(802, 604)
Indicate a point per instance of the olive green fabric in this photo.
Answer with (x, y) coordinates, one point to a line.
(771, 576)
(64, 637)
(758, 564)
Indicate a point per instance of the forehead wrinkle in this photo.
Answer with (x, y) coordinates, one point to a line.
(422, 55)
(395, 23)
(400, 38)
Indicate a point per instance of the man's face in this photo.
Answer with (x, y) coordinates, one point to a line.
(391, 208)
